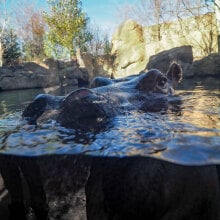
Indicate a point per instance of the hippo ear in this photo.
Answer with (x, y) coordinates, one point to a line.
(174, 73)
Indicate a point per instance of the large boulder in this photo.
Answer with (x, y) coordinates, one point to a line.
(101, 65)
(129, 49)
(208, 66)
(25, 76)
(69, 72)
(41, 75)
(183, 55)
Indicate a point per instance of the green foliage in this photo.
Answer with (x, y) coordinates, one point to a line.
(67, 24)
(55, 51)
(11, 47)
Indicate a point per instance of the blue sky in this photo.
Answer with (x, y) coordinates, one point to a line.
(102, 13)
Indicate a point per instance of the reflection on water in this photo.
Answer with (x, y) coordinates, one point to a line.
(189, 133)
(13, 101)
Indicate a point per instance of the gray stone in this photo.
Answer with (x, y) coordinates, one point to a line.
(128, 49)
(208, 66)
(182, 55)
(101, 65)
(50, 73)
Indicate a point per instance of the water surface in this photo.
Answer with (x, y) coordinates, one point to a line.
(188, 133)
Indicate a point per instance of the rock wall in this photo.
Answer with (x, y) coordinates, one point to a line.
(182, 55)
(205, 67)
(41, 75)
(133, 45)
(129, 49)
(102, 65)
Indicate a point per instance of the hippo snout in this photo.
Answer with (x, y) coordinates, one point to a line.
(82, 106)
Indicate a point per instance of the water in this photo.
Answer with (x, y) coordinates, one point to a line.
(189, 133)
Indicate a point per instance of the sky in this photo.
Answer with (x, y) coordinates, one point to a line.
(102, 13)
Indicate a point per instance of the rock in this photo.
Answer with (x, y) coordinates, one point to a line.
(208, 66)
(182, 55)
(74, 75)
(41, 75)
(28, 75)
(101, 65)
(128, 49)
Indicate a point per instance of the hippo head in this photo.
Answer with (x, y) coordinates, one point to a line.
(147, 91)
(154, 81)
(157, 86)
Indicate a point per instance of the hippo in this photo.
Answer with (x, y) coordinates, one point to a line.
(103, 81)
(106, 98)
(132, 187)
(148, 188)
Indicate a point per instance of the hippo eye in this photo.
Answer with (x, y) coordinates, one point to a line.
(162, 81)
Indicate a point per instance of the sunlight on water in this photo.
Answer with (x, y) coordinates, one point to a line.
(189, 133)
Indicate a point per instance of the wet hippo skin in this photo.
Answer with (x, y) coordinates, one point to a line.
(110, 188)
(146, 92)
(146, 188)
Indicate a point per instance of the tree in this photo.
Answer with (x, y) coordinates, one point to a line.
(67, 24)
(12, 49)
(3, 22)
(148, 13)
(216, 5)
(54, 50)
(31, 28)
(201, 21)
(100, 43)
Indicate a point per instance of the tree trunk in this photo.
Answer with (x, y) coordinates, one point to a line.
(79, 58)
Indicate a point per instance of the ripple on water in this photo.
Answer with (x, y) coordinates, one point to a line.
(189, 133)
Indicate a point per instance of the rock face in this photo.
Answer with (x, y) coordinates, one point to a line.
(208, 66)
(134, 46)
(182, 55)
(132, 50)
(29, 75)
(49, 73)
(97, 65)
(129, 49)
